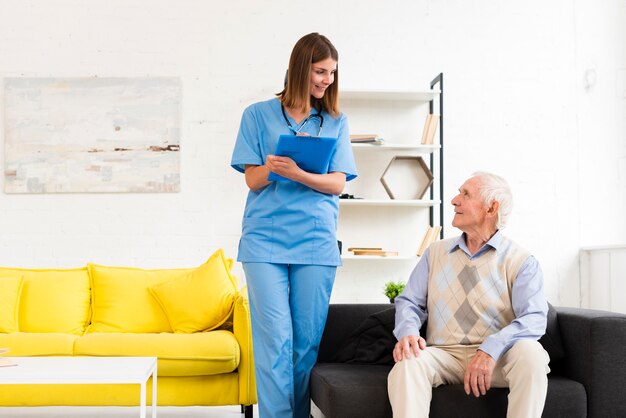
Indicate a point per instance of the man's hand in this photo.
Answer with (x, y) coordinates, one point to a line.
(478, 374)
(407, 345)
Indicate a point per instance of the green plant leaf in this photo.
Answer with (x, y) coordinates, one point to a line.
(393, 289)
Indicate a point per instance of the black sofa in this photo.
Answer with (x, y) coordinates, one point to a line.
(588, 363)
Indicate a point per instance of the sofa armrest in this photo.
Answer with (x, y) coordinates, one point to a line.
(242, 328)
(343, 319)
(595, 346)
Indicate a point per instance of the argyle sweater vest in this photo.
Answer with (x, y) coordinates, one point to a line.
(468, 300)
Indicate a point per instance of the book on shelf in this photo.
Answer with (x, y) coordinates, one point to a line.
(366, 139)
(430, 128)
(431, 235)
(372, 251)
(364, 248)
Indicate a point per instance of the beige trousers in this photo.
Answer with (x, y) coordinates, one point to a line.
(523, 369)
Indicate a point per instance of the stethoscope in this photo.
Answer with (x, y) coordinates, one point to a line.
(304, 122)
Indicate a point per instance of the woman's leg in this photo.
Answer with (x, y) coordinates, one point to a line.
(272, 336)
(311, 287)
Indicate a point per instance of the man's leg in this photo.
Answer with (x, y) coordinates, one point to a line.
(524, 368)
(410, 382)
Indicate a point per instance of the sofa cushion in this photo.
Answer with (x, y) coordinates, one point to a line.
(200, 301)
(52, 300)
(38, 344)
(355, 391)
(372, 342)
(10, 291)
(565, 398)
(551, 340)
(198, 354)
(351, 391)
(121, 301)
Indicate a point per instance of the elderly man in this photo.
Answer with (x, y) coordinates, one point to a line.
(483, 297)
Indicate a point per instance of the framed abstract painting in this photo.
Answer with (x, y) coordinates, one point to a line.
(92, 135)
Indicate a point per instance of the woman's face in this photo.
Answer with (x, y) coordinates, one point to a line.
(322, 76)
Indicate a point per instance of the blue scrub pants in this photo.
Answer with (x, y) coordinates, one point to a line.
(288, 306)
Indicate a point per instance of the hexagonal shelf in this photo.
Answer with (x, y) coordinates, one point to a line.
(406, 177)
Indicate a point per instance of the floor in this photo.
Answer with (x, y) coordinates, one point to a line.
(121, 412)
(129, 412)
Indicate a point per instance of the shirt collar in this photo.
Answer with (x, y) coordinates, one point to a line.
(494, 242)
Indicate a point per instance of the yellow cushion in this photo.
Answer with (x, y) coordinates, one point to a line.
(38, 344)
(202, 300)
(52, 300)
(10, 291)
(121, 301)
(197, 354)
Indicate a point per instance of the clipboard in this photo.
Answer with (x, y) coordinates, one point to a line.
(310, 153)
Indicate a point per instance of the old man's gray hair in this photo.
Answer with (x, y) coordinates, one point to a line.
(495, 188)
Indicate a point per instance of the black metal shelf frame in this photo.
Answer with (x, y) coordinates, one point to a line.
(437, 80)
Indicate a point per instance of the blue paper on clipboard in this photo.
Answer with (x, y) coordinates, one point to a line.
(310, 153)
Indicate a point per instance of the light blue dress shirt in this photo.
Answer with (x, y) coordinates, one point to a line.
(287, 222)
(527, 299)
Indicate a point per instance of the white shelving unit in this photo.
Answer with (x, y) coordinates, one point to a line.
(392, 95)
(377, 258)
(373, 219)
(405, 147)
(387, 202)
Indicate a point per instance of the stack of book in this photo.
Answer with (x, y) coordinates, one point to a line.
(372, 251)
(430, 128)
(366, 139)
(431, 235)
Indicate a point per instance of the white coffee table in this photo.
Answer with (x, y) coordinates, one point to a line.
(85, 370)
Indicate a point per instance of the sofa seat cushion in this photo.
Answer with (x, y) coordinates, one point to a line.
(566, 398)
(198, 354)
(350, 391)
(355, 391)
(38, 344)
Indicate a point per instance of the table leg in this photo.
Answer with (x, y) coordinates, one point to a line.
(142, 406)
(154, 392)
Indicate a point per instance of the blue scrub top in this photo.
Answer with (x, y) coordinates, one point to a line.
(287, 222)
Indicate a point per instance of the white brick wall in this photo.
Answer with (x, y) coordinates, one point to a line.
(515, 104)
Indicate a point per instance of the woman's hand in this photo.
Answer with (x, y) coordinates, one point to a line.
(256, 176)
(283, 166)
(331, 183)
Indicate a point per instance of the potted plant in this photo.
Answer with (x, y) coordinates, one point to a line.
(393, 289)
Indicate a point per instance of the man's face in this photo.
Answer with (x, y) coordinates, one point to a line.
(469, 210)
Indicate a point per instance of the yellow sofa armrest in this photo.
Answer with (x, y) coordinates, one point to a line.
(242, 328)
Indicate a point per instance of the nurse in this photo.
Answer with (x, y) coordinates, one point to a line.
(288, 245)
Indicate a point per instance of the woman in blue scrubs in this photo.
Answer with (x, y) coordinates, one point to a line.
(288, 245)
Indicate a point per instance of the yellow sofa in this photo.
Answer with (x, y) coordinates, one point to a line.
(195, 321)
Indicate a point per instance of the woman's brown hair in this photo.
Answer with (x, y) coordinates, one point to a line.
(310, 49)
